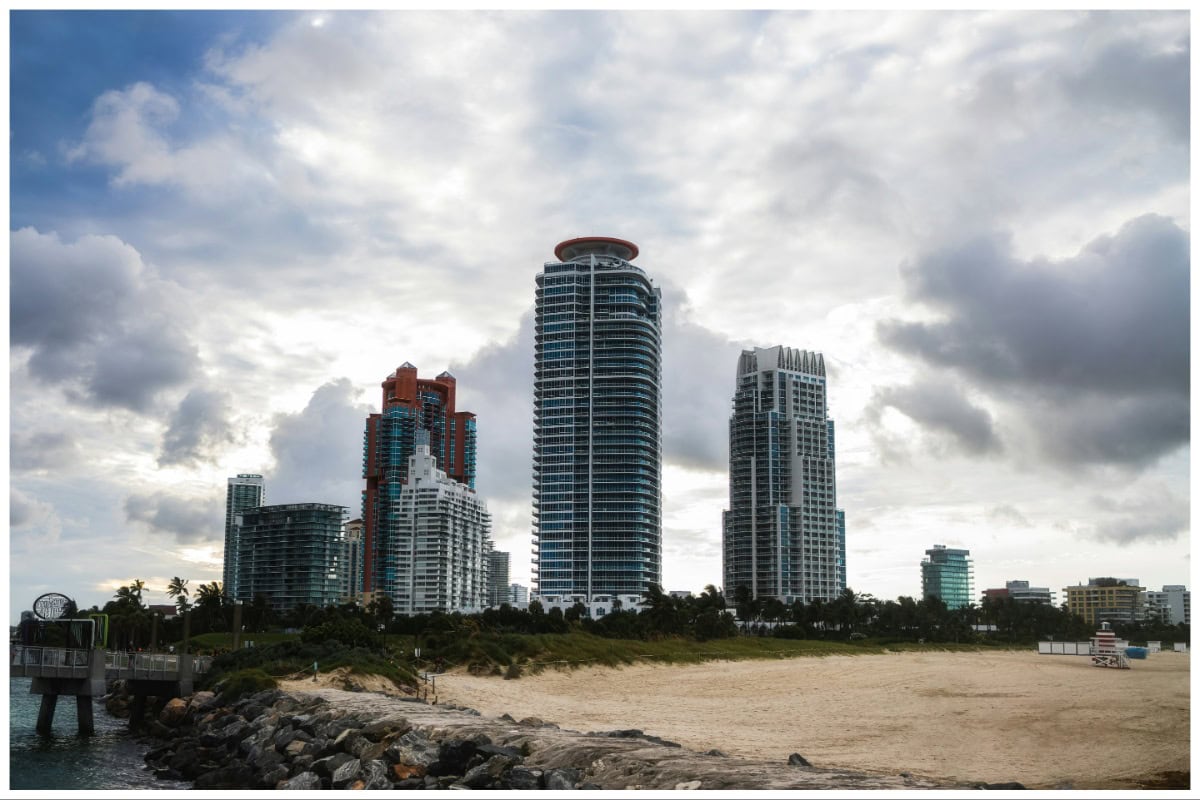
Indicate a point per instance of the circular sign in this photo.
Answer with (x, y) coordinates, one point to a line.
(51, 605)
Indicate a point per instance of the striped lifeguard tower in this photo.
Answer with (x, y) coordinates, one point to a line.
(1105, 652)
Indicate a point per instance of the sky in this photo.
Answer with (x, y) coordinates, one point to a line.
(227, 228)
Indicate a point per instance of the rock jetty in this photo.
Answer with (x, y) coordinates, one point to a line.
(333, 739)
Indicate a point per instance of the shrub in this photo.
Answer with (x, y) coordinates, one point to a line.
(513, 672)
(350, 632)
(244, 682)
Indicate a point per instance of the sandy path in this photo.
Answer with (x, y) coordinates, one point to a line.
(1042, 720)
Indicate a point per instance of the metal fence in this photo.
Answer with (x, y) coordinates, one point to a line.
(156, 666)
(1065, 648)
(49, 657)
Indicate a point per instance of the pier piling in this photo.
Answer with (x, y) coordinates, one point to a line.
(45, 721)
(84, 712)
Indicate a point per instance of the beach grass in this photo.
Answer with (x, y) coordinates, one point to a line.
(487, 652)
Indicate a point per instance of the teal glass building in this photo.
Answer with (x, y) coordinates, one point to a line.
(292, 554)
(597, 450)
(947, 574)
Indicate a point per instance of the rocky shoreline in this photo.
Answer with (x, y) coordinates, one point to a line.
(334, 739)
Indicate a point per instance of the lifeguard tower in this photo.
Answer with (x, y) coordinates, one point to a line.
(1105, 650)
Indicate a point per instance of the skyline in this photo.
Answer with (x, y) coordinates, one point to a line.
(229, 225)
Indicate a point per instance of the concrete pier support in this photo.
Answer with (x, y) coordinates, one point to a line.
(84, 712)
(45, 721)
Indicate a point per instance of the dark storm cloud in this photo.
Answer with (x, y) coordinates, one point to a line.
(1156, 515)
(1093, 343)
(318, 450)
(41, 450)
(941, 408)
(1119, 430)
(184, 518)
(198, 428)
(94, 320)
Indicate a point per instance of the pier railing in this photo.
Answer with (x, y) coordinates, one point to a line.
(62, 662)
(52, 662)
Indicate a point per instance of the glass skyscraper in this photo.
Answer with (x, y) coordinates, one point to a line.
(292, 554)
(244, 491)
(597, 452)
(783, 535)
(946, 573)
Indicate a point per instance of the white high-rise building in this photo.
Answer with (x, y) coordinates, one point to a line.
(441, 541)
(243, 492)
(783, 535)
(1172, 605)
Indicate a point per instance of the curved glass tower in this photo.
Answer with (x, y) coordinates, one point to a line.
(597, 435)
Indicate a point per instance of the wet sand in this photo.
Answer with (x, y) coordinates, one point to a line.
(1043, 720)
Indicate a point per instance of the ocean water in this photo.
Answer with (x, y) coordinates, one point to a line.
(110, 759)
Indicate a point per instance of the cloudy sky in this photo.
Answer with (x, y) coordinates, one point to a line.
(228, 228)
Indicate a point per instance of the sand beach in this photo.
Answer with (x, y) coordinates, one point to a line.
(1044, 720)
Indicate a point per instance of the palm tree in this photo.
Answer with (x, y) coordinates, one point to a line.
(208, 606)
(177, 588)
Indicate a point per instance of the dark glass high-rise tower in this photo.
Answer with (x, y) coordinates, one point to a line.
(410, 404)
(783, 535)
(244, 491)
(597, 437)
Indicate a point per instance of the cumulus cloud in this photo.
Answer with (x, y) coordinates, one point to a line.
(125, 131)
(96, 321)
(1079, 350)
(318, 450)
(187, 519)
(198, 429)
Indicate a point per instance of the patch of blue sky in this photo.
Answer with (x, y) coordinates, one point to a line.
(62, 61)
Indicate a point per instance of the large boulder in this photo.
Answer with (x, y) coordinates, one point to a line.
(561, 779)
(346, 774)
(375, 775)
(381, 729)
(303, 781)
(234, 776)
(174, 713)
(326, 767)
(523, 778)
(413, 749)
(454, 757)
(201, 701)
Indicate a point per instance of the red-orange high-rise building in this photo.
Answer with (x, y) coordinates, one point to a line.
(410, 404)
